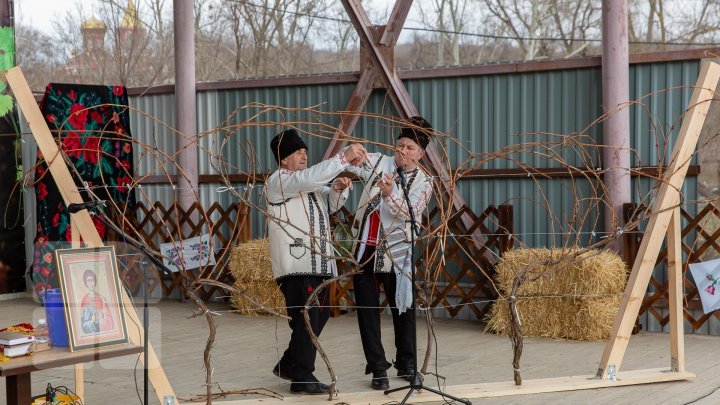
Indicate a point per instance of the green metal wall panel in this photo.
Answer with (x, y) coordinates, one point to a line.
(483, 114)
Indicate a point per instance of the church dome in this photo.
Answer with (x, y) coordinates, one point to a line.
(130, 19)
(93, 23)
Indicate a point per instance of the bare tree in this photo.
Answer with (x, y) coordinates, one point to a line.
(658, 24)
(36, 55)
(540, 25)
(575, 22)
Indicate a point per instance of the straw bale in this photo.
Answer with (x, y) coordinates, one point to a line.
(589, 319)
(593, 273)
(249, 264)
(573, 298)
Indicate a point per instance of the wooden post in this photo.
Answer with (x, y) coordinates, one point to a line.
(676, 290)
(505, 226)
(666, 201)
(86, 228)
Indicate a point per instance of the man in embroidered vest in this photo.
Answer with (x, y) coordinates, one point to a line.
(382, 228)
(300, 246)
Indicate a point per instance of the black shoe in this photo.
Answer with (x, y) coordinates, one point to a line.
(308, 387)
(380, 380)
(406, 373)
(283, 373)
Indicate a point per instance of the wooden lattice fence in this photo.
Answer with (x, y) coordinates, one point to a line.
(158, 224)
(465, 278)
(699, 242)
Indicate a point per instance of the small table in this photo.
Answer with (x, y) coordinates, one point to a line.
(17, 370)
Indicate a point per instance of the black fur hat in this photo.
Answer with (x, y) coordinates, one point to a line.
(419, 131)
(285, 144)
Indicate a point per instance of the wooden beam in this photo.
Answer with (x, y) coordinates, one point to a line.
(397, 91)
(406, 108)
(676, 293)
(70, 194)
(666, 200)
(395, 22)
(80, 367)
(485, 390)
(357, 102)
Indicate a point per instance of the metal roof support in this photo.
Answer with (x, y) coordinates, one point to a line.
(616, 128)
(185, 111)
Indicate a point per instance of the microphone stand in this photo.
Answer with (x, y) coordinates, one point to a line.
(146, 314)
(416, 383)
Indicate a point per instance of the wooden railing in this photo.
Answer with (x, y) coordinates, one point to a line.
(699, 242)
(465, 277)
(158, 224)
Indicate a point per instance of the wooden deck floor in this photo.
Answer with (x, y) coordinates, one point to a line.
(248, 347)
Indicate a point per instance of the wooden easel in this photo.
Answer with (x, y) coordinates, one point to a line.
(81, 221)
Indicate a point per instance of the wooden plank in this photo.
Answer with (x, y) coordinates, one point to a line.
(86, 228)
(80, 367)
(667, 197)
(488, 390)
(46, 143)
(395, 23)
(676, 293)
(60, 357)
(396, 89)
(403, 102)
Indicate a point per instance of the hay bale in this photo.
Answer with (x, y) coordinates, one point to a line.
(573, 298)
(250, 265)
(587, 319)
(593, 273)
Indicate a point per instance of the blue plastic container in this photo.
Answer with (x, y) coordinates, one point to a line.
(55, 313)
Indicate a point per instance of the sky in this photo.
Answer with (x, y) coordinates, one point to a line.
(42, 13)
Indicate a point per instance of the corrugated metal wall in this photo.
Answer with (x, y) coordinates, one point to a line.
(483, 113)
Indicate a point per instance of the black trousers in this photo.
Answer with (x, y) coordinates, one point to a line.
(367, 297)
(299, 357)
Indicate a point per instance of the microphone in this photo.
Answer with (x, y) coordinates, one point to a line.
(401, 174)
(73, 208)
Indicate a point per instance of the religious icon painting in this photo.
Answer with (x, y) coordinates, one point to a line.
(92, 297)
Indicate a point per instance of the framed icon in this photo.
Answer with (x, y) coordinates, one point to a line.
(92, 298)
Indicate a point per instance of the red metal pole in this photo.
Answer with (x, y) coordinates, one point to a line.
(616, 128)
(185, 118)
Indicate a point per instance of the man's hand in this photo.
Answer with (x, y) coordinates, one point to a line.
(385, 183)
(355, 154)
(341, 183)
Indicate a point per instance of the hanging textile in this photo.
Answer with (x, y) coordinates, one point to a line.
(93, 127)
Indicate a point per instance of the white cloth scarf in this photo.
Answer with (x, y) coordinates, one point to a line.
(400, 250)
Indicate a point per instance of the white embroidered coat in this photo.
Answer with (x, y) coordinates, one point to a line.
(297, 218)
(392, 209)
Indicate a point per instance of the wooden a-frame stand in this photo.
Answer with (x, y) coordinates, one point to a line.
(664, 221)
(81, 222)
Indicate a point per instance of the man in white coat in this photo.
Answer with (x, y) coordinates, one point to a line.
(382, 228)
(301, 253)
